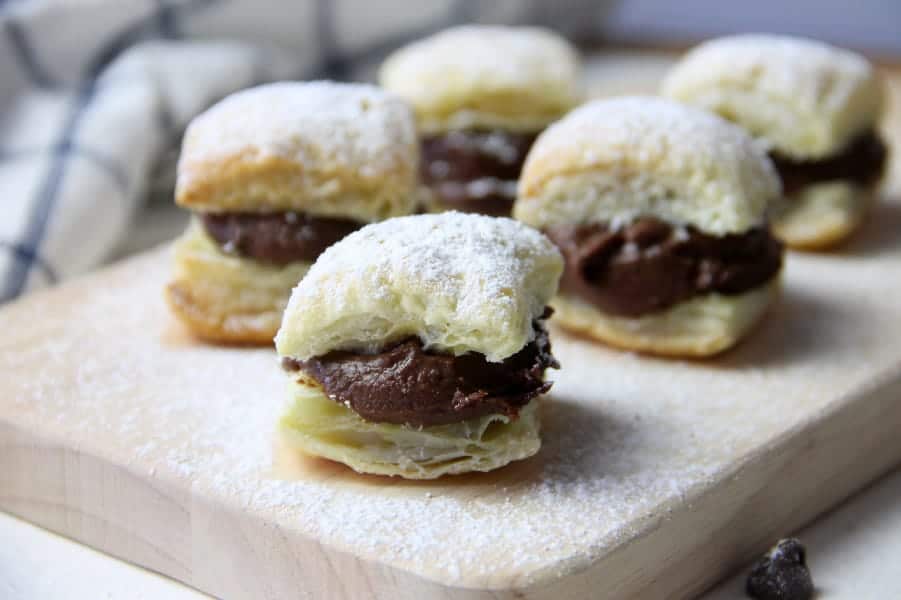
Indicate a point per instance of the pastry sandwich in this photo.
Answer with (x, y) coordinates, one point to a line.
(660, 212)
(481, 94)
(416, 346)
(815, 109)
(274, 175)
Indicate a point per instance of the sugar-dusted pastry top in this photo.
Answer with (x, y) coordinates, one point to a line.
(459, 282)
(324, 148)
(803, 98)
(479, 76)
(611, 161)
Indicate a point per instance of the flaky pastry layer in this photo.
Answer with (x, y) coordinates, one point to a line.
(819, 216)
(486, 77)
(610, 161)
(700, 327)
(316, 425)
(800, 97)
(458, 282)
(326, 149)
(226, 298)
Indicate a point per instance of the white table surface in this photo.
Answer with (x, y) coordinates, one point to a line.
(854, 552)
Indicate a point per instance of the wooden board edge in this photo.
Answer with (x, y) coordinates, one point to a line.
(859, 434)
(857, 443)
(852, 445)
(49, 484)
(94, 501)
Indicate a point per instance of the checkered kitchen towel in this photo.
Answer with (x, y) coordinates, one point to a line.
(92, 91)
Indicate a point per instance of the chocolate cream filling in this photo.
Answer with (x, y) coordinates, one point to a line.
(649, 265)
(862, 162)
(475, 171)
(277, 238)
(407, 384)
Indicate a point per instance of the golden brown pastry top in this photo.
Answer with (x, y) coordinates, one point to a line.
(800, 97)
(324, 148)
(611, 161)
(479, 76)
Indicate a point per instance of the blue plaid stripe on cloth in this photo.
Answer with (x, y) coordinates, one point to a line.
(92, 92)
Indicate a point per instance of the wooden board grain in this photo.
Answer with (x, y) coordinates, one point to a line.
(656, 475)
(656, 478)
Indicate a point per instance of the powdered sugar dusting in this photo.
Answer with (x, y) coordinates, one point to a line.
(316, 124)
(515, 58)
(626, 438)
(819, 77)
(463, 76)
(684, 154)
(458, 281)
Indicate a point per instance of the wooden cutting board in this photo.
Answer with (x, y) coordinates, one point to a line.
(656, 477)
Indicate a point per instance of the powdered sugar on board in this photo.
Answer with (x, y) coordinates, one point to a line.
(102, 366)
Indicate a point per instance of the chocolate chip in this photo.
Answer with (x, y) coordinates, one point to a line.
(781, 573)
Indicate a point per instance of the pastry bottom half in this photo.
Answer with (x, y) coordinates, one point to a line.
(822, 214)
(225, 298)
(317, 425)
(699, 327)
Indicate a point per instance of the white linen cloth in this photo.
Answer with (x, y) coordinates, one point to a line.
(92, 92)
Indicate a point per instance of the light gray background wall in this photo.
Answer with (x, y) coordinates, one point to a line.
(873, 25)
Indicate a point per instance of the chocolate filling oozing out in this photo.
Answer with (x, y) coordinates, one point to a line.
(277, 238)
(649, 265)
(475, 171)
(406, 384)
(863, 162)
